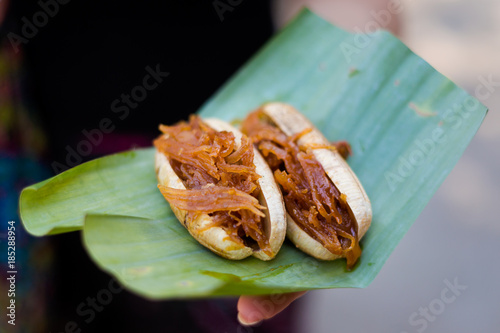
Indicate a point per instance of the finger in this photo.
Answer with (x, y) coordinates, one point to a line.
(254, 309)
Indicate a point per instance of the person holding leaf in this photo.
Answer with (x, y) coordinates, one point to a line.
(105, 74)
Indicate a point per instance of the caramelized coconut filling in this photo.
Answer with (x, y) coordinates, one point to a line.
(311, 198)
(220, 179)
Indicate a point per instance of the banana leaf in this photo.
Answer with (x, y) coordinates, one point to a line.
(407, 124)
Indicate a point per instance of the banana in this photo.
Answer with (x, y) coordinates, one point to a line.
(201, 226)
(292, 123)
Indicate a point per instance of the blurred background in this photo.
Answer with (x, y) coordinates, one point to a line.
(457, 237)
(91, 52)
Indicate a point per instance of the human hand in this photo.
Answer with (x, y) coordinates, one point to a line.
(254, 309)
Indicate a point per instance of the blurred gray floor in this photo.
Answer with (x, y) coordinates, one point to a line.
(456, 240)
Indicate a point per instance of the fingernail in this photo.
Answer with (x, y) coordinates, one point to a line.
(244, 322)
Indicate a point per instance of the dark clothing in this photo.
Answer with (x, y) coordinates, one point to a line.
(92, 52)
(107, 73)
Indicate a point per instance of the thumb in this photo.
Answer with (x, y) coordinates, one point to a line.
(254, 309)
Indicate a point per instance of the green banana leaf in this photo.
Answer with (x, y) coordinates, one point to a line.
(408, 126)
